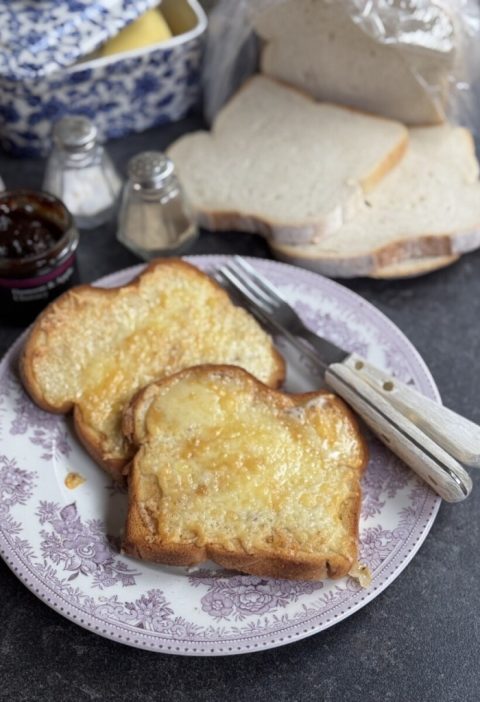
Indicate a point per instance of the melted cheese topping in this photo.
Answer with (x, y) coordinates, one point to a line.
(224, 463)
(102, 349)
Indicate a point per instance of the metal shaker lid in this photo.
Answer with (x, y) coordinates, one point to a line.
(75, 133)
(150, 169)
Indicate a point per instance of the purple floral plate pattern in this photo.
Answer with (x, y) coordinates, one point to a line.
(64, 544)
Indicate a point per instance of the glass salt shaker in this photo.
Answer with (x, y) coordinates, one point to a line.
(80, 173)
(155, 217)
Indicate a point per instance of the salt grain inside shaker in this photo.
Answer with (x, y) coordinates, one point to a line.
(155, 217)
(81, 174)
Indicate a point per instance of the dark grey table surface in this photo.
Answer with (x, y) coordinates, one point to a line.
(419, 640)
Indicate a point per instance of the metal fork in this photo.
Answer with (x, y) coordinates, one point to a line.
(274, 312)
(423, 433)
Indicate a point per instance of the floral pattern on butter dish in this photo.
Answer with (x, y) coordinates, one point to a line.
(123, 94)
(81, 548)
(41, 36)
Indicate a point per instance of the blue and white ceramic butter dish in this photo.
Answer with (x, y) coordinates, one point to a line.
(44, 74)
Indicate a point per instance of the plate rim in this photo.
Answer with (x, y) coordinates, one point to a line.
(160, 644)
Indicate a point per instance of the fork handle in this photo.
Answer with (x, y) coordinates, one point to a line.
(429, 460)
(458, 436)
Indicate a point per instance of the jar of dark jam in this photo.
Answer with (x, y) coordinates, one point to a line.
(38, 241)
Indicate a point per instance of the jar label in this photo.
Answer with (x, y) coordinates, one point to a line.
(50, 279)
(32, 294)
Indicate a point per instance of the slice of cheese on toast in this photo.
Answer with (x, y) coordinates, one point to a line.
(93, 348)
(257, 480)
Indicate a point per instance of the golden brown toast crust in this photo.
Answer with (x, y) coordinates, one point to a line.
(140, 542)
(51, 318)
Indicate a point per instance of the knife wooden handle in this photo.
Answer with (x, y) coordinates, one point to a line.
(429, 460)
(458, 436)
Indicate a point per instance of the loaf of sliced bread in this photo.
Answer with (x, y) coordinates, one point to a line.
(280, 164)
(316, 46)
(93, 348)
(254, 479)
(421, 217)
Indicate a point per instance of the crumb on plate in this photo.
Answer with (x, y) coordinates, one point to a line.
(74, 480)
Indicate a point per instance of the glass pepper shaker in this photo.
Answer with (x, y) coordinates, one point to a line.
(80, 173)
(155, 217)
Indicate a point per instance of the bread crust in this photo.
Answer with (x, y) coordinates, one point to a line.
(405, 256)
(413, 256)
(388, 164)
(91, 439)
(93, 442)
(37, 330)
(140, 543)
(302, 232)
(414, 267)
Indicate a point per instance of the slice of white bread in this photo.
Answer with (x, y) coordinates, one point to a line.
(93, 348)
(316, 46)
(257, 480)
(278, 163)
(421, 217)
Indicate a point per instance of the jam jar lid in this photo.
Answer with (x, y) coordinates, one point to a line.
(36, 231)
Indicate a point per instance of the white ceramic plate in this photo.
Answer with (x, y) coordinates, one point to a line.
(63, 544)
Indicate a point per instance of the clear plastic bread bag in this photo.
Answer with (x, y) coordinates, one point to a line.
(431, 46)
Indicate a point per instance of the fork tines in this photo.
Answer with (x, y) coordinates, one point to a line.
(252, 284)
(261, 298)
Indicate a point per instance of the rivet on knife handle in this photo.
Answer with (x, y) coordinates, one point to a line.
(458, 436)
(442, 472)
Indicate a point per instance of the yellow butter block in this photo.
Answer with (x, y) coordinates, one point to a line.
(150, 28)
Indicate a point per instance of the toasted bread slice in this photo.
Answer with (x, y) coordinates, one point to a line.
(257, 480)
(93, 348)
